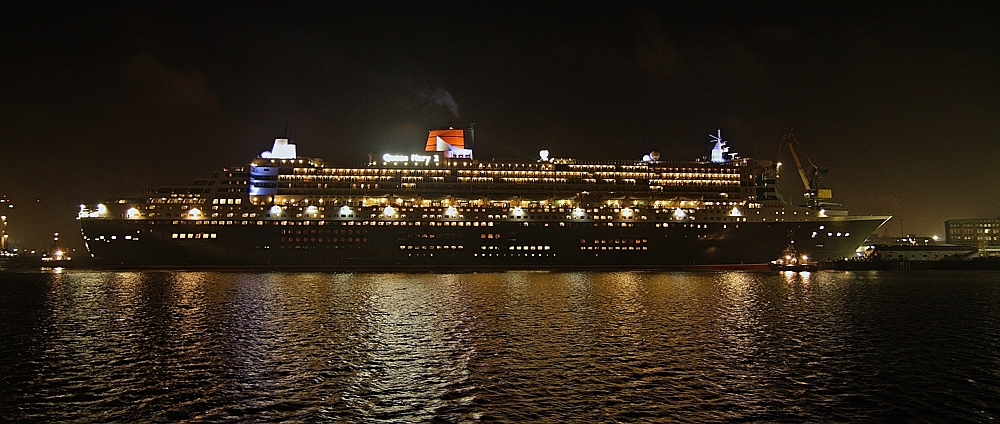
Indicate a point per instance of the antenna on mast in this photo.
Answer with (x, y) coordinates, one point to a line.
(718, 153)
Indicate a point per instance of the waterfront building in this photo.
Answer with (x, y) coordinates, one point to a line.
(979, 232)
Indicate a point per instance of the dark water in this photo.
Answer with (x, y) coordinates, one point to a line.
(519, 346)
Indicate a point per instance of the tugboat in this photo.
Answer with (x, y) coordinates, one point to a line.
(56, 256)
(790, 260)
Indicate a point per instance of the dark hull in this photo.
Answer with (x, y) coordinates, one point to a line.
(437, 246)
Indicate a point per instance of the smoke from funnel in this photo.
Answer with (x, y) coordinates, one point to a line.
(442, 97)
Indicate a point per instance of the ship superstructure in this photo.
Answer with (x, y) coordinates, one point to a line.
(442, 209)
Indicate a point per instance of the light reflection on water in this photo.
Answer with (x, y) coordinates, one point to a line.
(518, 346)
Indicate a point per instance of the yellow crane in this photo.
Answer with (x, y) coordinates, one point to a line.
(816, 197)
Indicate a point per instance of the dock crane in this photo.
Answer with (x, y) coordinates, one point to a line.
(816, 197)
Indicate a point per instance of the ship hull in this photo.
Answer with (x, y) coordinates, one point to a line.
(466, 245)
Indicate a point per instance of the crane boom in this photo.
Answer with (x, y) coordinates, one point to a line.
(810, 175)
(798, 165)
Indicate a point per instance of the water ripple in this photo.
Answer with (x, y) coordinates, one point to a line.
(518, 346)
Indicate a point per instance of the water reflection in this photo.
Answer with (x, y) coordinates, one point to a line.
(799, 277)
(413, 338)
(518, 346)
(738, 308)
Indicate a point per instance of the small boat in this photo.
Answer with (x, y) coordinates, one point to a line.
(790, 260)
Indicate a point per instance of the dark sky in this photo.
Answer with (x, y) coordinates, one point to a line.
(899, 101)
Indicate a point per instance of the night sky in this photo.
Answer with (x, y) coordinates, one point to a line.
(900, 102)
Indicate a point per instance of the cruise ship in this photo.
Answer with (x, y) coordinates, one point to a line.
(441, 209)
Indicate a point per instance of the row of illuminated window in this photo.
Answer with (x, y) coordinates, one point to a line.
(411, 223)
(163, 199)
(965, 225)
(112, 237)
(667, 225)
(522, 180)
(702, 176)
(614, 248)
(460, 224)
(829, 234)
(658, 206)
(324, 240)
(721, 218)
(369, 171)
(347, 178)
(475, 179)
(227, 201)
(975, 238)
(328, 232)
(207, 222)
(305, 184)
(673, 171)
(721, 174)
(595, 224)
(460, 247)
(505, 255)
(615, 241)
(971, 230)
(189, 215)
(529, 247)
(693, 182)
(633, 175)
(232, 215)
(505, 173)
(175, 200)
(915, 255)
(193, 235)
(592, 167)
(324, 246)
(419, 223)
(606, 217)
